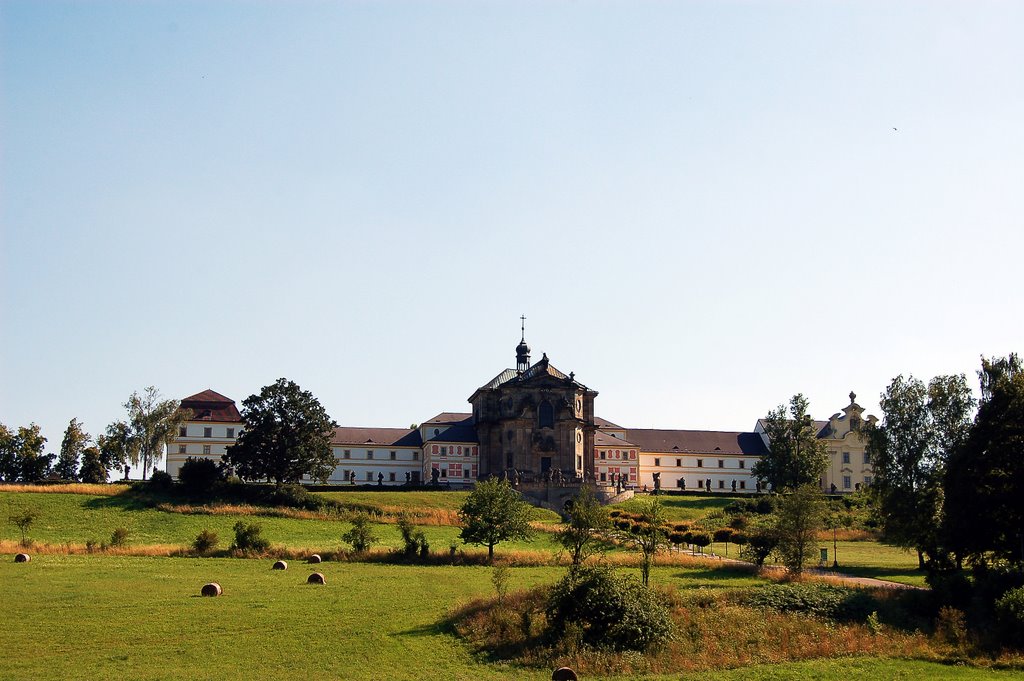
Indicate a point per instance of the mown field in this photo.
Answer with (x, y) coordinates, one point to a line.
(110, 617)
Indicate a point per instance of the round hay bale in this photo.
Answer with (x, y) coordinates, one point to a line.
(315, 558)
(212, 589)
(280, 565)
(22, 558)
(564, 674)
(316, 578)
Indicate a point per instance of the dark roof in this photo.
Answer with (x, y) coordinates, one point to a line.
(821, 428)
(697, 441)
(448, 418)
(210, 405)
(606, 440)
(606, 424)
(379, 437)
(460, 432)
(541, 368)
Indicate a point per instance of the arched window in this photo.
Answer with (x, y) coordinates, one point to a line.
(546, 415)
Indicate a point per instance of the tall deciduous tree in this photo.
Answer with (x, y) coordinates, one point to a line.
(71, 447)
(587, 519)
(795, 455)
(921, 427)
(801, 515)
(493, 513)
(93, 469)
(985, 478)
(21, 454)
(287, 435)
(152, 423)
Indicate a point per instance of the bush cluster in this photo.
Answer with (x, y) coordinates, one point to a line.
(199, 477)
(822, 600)
(248, 538)
(605, 610)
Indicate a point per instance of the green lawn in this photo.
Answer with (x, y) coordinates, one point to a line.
(680, 508)
(76, 518)
(108, 617)
(877, 560)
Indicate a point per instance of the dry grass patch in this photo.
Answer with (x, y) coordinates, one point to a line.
(70, 488)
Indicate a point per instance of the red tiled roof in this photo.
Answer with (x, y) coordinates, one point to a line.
(212, 406)
(381, 437)
(697, 441)
(606, 424)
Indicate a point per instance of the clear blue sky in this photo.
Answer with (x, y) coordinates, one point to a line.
(701, 207)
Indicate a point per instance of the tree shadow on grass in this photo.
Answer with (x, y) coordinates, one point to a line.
(122, 502)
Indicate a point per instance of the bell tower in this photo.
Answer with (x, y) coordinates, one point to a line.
(522, 350)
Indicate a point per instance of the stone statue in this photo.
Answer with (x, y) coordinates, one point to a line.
(380, 479)
(657, 482)
(434, 475)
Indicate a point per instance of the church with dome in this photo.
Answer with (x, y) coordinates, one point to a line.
(536, 423)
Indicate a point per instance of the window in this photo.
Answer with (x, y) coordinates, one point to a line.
(444, 451)
(231, 432)
(846, 482)
(465, 473)
(680, 483)
(369, 453)
(743, 464)
(602, 455)
(369, 476)
(182, 431)
(415, 456)
(207, 432)
(721, 463)
(347, 454)
(437, 432)
(721, 484)
(867, 459)
(394, 455)
(345, 474)
(181, 449)
(700, 484)
(444, 472)
(846, 457)
(743, 484)
(867, 479)
(700, 463)
(509, 460)
(415, 476)
(679, 463)
(657, 462)
(206, 449)
(546, 415)
(391, 477)
(604, 477)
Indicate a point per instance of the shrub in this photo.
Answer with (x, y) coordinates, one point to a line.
(759, 545)
(160, 481)
(248, 539)
(823, 600)
(1010, 616)
(361, 535)
(295, 496)
(951, 626)
(608, 611)
(200, 476)
(701, 539)
(409, 536)
(119, 537)
(205, 542)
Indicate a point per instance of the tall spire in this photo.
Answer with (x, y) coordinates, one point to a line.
(522, 350)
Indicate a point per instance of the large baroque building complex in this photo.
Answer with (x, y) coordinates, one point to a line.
(535, 423)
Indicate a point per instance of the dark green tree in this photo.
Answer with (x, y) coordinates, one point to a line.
(921, 427)
(33, 464)
(71, 447)
(493, 513)
(984, 485)
(287, 435)
(93, 469)
(361, 535)
(800, 516)
(795, 454)
(9, 468)
(580, 536)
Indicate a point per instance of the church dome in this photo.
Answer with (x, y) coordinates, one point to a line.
(522, 348)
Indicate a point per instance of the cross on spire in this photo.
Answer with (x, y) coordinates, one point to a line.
(523, 319)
